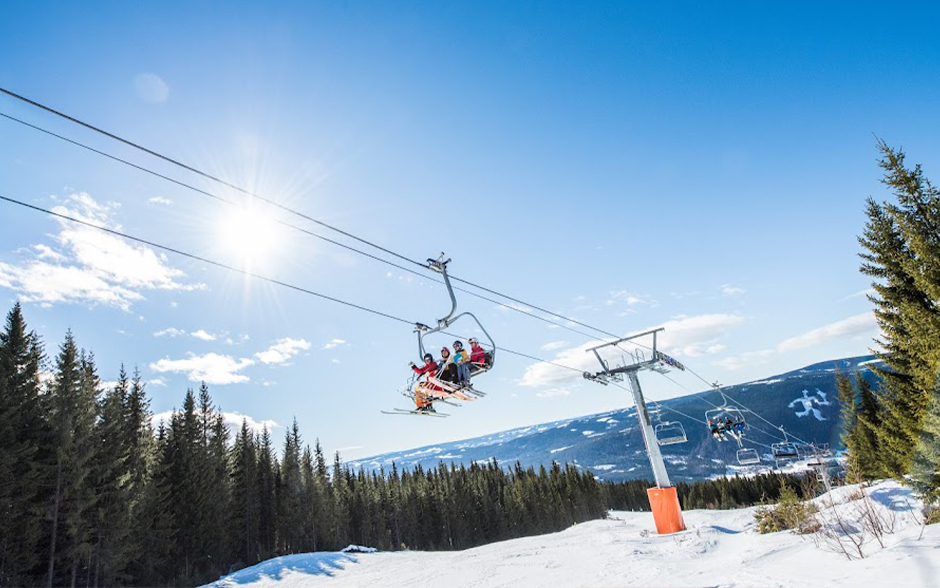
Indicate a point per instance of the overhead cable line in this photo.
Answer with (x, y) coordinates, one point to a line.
(246, 272)
(302, 230)
(307, 217)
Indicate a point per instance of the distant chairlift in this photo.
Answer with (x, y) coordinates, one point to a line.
(748, 456)
(785, 450)
(670, 433)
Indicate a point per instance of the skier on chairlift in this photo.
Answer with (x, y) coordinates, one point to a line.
(448, 369)
(425, 391)
(462, 361)
(477, 354)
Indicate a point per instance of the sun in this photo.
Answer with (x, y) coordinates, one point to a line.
(250, 236)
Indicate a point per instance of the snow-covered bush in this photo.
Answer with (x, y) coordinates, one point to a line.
(790, 513)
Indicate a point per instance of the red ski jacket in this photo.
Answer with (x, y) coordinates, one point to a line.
(428, 368)
(478, 355)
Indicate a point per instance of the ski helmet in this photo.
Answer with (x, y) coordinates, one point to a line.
(428, 357)
(458, 344)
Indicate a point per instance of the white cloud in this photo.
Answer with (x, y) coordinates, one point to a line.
(626, 297)
(89, 266)
(282, 350)
(203, 336)
(233, 420)
(46, 252)
(854, 326)
(160, 200)
(685, 336)
(157, 382)
(334, 343)
(553, 345)
(553, 393)
(729, 290)
(210, 368)
(170, 332)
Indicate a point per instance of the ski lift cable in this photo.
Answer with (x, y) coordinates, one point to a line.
(292, 211)
(307, 217)
(306, 231)
(250, 273)
(268, 201)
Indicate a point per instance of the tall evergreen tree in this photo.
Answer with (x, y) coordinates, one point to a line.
(902, 254)
(73, 400)
(24, 453)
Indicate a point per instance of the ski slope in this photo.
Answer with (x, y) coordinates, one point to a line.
(720, 548)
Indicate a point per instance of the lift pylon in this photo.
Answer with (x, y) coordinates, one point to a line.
(663, 498)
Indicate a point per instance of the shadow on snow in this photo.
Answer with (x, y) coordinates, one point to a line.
(314, 564)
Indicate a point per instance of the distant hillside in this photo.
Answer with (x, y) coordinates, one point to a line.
(609, 444)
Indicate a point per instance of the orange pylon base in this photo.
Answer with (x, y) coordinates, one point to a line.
(666, 510)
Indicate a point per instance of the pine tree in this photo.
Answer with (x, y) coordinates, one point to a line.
(24, 454)
(290, 494)
(245, 497)
(267, 496)
(72, 399)
(902, 243)
(111, 479)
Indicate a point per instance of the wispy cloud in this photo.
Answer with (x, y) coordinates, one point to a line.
(334, 343)
(233, 420)
(211, 368)
(160, 200)
(170, 332)
(854, 326)
(553, 393)
(553, 345)
(88, 266)
(729, 290)
(282, 350)
(203, 336)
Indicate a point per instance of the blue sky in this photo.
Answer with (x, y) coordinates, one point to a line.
(630, 165)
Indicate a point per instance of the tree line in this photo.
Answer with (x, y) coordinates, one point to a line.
(93, 494)
(893, 430)
(715, 494)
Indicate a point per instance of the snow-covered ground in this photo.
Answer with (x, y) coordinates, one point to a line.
(720, 548)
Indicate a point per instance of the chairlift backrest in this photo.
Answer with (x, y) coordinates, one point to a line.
(748, 456)
(670, 433)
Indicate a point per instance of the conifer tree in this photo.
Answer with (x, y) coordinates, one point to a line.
(72, 399)
(24, 451)
(902, 254)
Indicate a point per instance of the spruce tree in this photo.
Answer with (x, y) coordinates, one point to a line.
(902, 254)
(24, 452)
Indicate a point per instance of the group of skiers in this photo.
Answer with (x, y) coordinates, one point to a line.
(450, 375)
(733, 427)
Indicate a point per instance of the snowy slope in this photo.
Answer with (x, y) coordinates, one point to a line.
(721, 548)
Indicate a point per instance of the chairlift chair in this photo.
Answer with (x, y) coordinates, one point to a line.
(784, 451)
(670, 433)
(440, 265)
(748, 456)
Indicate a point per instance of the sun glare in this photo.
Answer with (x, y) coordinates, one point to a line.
(250, 237)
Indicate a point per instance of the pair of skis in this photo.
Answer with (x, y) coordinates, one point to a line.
(450, 391)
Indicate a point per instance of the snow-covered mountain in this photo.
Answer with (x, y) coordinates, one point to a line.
(803, 401)
(720, 548)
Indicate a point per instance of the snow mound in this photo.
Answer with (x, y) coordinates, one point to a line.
(359, 549)
(720, 548)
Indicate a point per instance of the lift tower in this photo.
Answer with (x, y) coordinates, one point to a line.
(663, 498)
